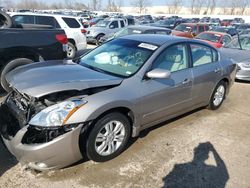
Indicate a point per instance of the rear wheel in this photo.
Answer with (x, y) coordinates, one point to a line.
(108, 138)
(218, 96)
(98, 42)
(71, 51)
(10, 66)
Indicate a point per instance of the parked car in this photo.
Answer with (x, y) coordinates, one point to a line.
(226, 22)
(108, 96)
(133, 30)
(215, 39)
(167, 23)
(189, 30)
(71, 25)
(20, 46)
(104, 27)
(239, 50)
(230, 30)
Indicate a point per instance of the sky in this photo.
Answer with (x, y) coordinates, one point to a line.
(128, 2)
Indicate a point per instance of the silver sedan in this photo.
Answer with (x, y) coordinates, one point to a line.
(60, 111)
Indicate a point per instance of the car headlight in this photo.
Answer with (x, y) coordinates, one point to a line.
(58, 114)
(244, 65)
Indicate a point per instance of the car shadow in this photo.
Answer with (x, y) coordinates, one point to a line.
(242, 81)
(7, 160)
(197, 173)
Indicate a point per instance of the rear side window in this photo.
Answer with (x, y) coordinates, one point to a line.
(23, 19)
(202, 55)
(71, 22)
(46, 20)
(122, 23)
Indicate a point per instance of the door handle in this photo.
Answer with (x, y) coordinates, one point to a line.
(186, 81)
(217, 70)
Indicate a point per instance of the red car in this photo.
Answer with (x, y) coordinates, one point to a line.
(216, 39)
(189, 30)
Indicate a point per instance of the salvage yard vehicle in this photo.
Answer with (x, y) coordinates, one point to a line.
(239, 51)
(216, 39)
(190, 30)
(32, 43)
(104, 27)
(70, 24)
(136, 29)
(109, 95)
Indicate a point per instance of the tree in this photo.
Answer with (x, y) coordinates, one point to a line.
(140, 5)
(95, 4)
(174, 6)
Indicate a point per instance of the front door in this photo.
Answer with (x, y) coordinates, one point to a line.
(165, 97)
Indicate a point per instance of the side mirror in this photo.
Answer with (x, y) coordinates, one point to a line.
(159, 73)
(111, 27)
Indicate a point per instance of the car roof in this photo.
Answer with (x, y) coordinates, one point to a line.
(147, 27)
(158, 40)
(41, 14)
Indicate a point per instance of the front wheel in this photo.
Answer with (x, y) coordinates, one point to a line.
(98, 38)
(108, 138)
(218, 96)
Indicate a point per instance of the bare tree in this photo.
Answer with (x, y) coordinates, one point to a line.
(95, 4)
(174, 6)
(242, 4)
(212, 6)
(140, 5)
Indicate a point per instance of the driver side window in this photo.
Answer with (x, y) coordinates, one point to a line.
(174, 58)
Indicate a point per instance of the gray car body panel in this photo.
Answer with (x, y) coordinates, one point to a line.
(150, 101)
(44, 78)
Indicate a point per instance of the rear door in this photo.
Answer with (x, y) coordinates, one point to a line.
(206, 71)
(166, 97)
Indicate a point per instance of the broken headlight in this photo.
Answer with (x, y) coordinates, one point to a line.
(58, 114)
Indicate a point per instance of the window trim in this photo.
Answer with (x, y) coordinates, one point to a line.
(211, 48)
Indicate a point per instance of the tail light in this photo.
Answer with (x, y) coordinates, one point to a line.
(83, 31)
(62, 38)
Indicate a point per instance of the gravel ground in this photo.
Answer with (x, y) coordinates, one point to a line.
(202, 149)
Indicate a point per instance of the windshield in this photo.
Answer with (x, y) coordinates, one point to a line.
(102, 23)
(209, 36)
(127, 31)
(184, 28)
(120, 57)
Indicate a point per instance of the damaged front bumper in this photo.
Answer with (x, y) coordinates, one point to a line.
(40, 149)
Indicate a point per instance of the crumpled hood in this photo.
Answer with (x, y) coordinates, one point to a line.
(39, 79)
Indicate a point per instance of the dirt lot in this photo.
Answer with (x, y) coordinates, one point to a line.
(205, 148)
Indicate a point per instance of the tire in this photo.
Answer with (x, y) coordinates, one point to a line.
(71, 52)
(10, 66)
(98, 43)
(5, 20)
(219, 92)
(93, 150)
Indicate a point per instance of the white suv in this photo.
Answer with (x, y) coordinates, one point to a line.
(71, 25)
